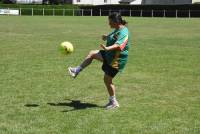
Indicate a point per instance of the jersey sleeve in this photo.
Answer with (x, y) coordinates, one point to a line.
(122, 39)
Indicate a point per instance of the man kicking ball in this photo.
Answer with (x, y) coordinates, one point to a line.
(114, 56)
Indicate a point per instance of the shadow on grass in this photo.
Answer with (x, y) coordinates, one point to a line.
(31, 105)
(75, 104)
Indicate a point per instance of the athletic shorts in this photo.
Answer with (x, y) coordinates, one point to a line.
(106, 67)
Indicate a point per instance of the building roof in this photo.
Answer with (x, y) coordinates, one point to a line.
(126, 1)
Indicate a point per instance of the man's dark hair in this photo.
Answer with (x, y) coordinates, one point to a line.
(117, 18)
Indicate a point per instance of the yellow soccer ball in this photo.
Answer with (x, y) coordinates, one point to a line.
(67, 47)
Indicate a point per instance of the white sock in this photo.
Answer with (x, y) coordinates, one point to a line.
(78, 69)
(112, 98)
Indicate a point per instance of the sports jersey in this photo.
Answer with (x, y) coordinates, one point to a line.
(118, 58)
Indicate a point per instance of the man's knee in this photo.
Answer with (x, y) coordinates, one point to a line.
(107, 79)
(92, 53)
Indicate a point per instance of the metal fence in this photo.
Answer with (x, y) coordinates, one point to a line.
(91, 12)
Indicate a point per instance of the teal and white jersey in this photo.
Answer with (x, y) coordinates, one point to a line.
(118, 58)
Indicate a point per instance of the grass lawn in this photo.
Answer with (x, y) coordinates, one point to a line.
(159, 91)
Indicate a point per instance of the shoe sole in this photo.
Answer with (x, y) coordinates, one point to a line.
(112, 107)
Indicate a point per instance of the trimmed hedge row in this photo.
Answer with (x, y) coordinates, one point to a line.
(67, 6)
(30, 9)
(49, 12)
(192, 10)
(104, 10)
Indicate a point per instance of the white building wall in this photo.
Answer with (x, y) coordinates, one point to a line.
(136, 2)
(101, 2)
(29, 1)
(88, 2)
(166, 2)
(195, 1)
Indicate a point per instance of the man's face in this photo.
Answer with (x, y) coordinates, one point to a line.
(112, 24)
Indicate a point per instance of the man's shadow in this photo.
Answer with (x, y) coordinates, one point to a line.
(75, 104)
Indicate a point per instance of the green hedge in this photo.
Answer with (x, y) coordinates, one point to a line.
(57, 10)
(67, 6)
(48, 12)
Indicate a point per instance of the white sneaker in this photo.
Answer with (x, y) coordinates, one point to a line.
(73, 72)
(112, 104)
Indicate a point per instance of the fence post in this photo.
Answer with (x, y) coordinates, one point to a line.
(152, 13)
(63, 12)
(164, 13)
(43, 12)
(20, 11)
(81, 12)
(100, 12)
(189, 13)
(73, 12)
(53, 12)
(140, 13)
(8, 11)
(32, 12)
(176, 13)
(91, 12)
(130, 13)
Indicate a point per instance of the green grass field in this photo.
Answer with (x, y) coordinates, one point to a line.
(159, 91)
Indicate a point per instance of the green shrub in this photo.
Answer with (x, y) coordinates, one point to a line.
(57, 10)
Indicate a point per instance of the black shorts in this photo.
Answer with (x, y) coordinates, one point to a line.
(106, 67)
